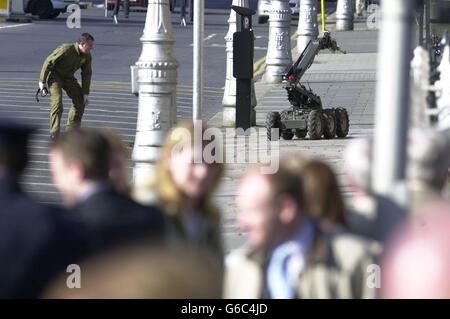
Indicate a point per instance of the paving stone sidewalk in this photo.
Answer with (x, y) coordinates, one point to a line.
(340, 80)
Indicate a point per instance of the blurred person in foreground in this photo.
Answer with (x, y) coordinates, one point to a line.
(427, 167)
(36, 241)
(323, 196)
(322, 193)
(289, 255)
(369, 214)
(417, 262)
(358, 177)
(119, 174)
(137, 272)
(325, 202)
(183, 189)
(80, 163)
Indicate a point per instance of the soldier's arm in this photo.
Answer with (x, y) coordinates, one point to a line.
(50, 62)
(86, 75)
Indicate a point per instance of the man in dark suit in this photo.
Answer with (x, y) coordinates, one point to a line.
(80, 161)
(184, 4)
(126, 8)
(36, 241)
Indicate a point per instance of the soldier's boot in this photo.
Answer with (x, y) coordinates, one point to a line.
(56, 106)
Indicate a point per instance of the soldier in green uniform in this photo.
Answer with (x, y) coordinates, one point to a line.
(58, 74)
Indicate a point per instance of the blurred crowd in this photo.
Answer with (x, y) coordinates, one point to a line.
(310, 234)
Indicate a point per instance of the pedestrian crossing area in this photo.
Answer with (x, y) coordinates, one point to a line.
(112, 105)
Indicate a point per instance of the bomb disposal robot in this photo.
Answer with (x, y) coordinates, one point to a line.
(307, 116)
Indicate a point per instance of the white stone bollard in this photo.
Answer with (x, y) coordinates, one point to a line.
(307, 24)
(13, 9)
(279, 55)
(420, 71)
(344, 15)
(229, 96)
(157, 79)
(17, 8)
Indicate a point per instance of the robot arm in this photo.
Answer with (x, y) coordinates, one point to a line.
(296, 71)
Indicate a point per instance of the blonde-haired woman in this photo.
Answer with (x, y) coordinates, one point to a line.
(182, 187)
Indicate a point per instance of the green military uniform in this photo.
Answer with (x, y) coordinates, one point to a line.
(58, 72)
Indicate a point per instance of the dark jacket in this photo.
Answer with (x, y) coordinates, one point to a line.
(37, 242)
(208, 237)
(114, 219)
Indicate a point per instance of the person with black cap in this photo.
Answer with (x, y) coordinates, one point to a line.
(36, 241)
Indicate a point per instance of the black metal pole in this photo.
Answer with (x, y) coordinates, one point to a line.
(420, 17)
(427, 26)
